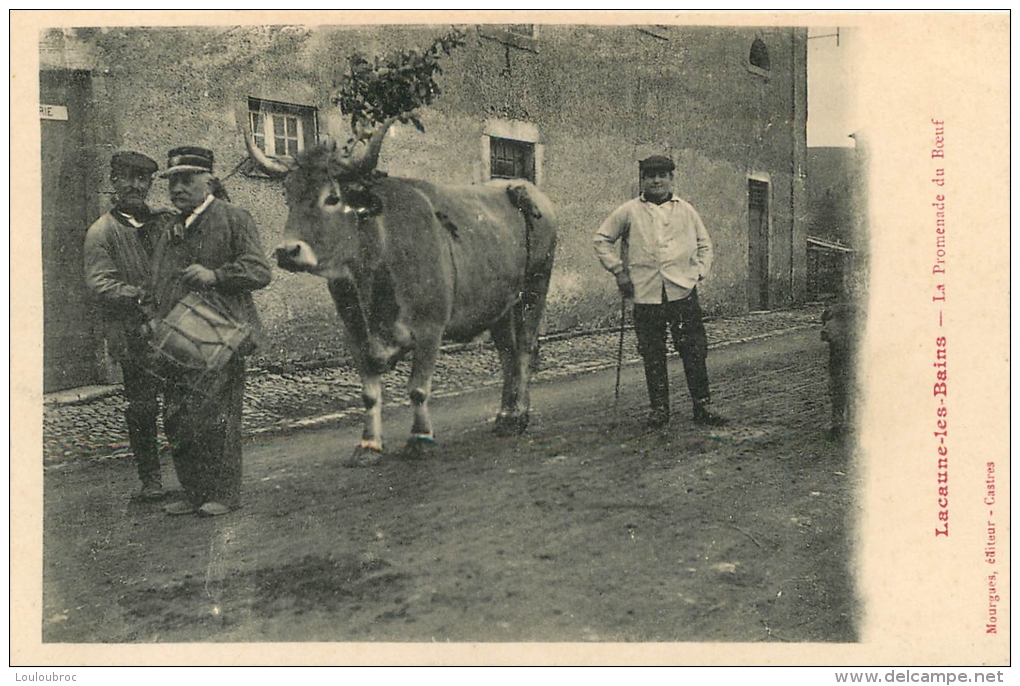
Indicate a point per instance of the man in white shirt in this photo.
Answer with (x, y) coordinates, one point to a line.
(658, 249)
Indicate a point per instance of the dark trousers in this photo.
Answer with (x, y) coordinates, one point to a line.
(205, 436)
(683, 318)
(142, 392)
(840, 380)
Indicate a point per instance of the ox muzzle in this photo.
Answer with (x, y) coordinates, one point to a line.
(296, 256)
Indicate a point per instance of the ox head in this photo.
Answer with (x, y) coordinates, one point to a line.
(330, 205)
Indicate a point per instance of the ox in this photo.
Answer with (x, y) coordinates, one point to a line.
(409, 264)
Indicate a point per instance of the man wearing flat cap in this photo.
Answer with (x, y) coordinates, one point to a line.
(118, 249)
(212, 248)
(659, 251)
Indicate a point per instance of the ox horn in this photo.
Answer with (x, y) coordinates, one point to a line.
(366, 163)
(371, 157)
(270, 165)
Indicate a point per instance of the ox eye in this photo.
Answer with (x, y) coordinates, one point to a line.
(331, 200)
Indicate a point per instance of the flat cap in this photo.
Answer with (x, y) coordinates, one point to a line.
(188, 158)
(126, 159)
(656, 163)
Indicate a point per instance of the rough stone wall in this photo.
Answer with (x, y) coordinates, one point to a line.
(831, 193)
(600, 97)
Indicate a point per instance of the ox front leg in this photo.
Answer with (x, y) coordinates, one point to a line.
(348, 306)
(370, 450)
(422, 441)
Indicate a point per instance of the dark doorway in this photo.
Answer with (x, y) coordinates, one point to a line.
(758, 245)
(72, 342)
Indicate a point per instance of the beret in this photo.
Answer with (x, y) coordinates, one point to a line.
(133, 160)
(656, 163)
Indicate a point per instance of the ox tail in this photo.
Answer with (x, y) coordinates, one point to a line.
(528, 298)
(520, 199)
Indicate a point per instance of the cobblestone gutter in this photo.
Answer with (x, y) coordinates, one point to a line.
(91, 424)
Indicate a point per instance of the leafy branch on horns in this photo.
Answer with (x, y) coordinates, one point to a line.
(393, 87)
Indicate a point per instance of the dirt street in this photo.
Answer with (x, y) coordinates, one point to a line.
(587, 528)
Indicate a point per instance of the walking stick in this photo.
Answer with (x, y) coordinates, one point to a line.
(619, 352)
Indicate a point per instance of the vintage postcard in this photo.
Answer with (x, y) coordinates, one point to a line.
(645, 338)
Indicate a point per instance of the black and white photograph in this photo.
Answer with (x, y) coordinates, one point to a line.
(434, 330)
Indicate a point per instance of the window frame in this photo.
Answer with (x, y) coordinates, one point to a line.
(525, 30)
(515, 131)
(508, 36)
(522, 151)
(272, 112)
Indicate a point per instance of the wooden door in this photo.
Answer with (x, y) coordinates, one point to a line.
(72, 339)
(758, 245)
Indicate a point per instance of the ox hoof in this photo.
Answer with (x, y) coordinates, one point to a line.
(511, 425)
(418, 448)
(363, 457)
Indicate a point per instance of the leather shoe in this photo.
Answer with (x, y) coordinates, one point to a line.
(181, 507)
(151, 491)
(213, 509)
(705, 418)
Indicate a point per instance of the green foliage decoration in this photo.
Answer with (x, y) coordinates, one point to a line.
(394, 86)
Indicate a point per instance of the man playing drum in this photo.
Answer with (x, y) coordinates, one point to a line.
(213, 249)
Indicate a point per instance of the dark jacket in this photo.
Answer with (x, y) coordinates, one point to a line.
(223, 238)
(117, 272)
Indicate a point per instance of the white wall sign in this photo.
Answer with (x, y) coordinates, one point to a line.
(55, 112)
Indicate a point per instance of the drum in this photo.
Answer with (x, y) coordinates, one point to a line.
(195, 341)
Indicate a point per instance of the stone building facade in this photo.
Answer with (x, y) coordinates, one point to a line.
(833, 205)
(571, 107)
